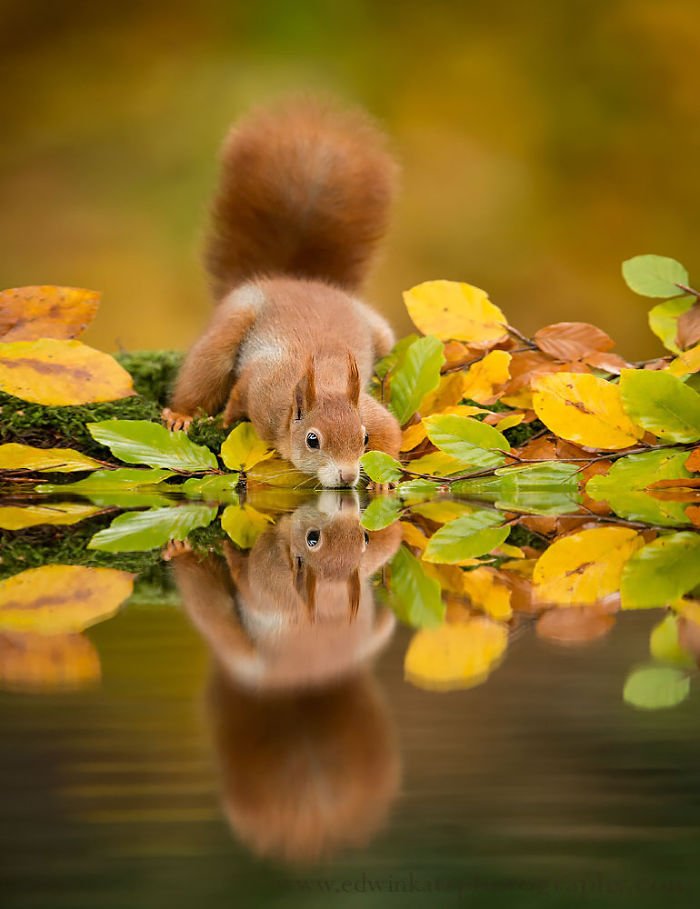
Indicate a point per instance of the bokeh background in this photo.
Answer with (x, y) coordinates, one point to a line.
(541, 144)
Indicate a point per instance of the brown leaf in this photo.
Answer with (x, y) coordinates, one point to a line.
(29, 313)
(688, 333)
(527, 365)
(574, 625)
(693, 514)
(539, 449)
(693, 462)
(458, 354)
(572, 340)
(609, 362)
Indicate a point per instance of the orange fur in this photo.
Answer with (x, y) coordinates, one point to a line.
(302, 204)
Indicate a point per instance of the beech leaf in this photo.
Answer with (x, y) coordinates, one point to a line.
(468, 440)
(654, 276)
(572, 340)
(143, 442)
(662, 571)
(30, 313)
(453, 310)
(466, 538)
(61, 372)
(18, 517)
(656, 687)
(664, 320)
(381, 467)
(417, 374)
(244, 448)
(584, 409)
(14, 456)
(414, 596)
(140, 531)
(661, 403)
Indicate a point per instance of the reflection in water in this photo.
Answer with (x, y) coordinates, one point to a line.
(307, 754)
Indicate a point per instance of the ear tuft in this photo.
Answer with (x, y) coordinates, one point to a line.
(305, 391)
(354, 590)
(353, 381)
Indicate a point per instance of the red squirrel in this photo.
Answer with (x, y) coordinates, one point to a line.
(302, 203)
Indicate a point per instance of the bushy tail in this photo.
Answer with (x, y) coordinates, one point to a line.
(305, 190)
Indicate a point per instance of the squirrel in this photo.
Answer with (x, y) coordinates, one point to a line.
(302, 203)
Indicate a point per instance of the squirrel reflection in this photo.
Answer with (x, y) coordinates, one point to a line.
(307, 755)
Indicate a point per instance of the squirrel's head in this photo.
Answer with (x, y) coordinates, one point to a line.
(326, 435)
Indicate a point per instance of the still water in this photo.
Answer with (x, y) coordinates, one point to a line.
(242, 732)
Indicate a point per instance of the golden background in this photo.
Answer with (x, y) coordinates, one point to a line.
(541, 144)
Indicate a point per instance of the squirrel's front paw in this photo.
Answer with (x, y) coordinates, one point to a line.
(174, 549)
(174, 420)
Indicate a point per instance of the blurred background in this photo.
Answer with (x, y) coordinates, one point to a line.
(541, 144)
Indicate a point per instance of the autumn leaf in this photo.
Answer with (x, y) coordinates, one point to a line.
(56, 599)
(244, 448)
(33, 663)
(664, 320)
(572, 340)
(486, 378)
(453, 310)
(584, 567)
(442, 510)
(280, 474)
(14, 456)
(19, 517)
(689, 327)
(686, 364)
(61, 372)
(584, 409)
(664, 645)
(693, 462)
(455, 655)
(574, 626)
(449, 392)
(244, 524)
(30, 313)
(488, 591)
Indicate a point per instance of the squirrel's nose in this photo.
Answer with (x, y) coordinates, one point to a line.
(348, 476)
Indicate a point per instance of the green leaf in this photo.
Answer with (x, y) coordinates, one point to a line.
(244, 524)
(143, 442)
(548, 489)
(656, 687)
(140, 531)
(467, 537)
(213, 489)
(417, 490)
(414, 597)
(662, 571)
(416, 375)
(665, 647)
(126, 486)
(663, 320)
(381, 512)
(244, 448)
(661, 403)
(395, 356)
(381, 467)
(624, 487)
(467, 439)
(654, 276)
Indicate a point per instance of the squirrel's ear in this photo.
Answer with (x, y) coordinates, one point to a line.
(353, 381)
(354, 590)
(305, 391)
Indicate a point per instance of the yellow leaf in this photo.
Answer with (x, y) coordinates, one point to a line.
(487, 591)
(483, 378)
(412, 535)
(449, 577)
(584, 567)
(15, 517)
(507, 549)
(442, 511)
(450, 391)
(244, 524)
(61, 372)
(14, 456)
(29, 313)
(453, 310)
(520, 399)
(686, 364)
(33, 662)
(412, 435)
(584, 409)
(509, 421)
(455, 655)
(56, 599)
(437, 464)
(280, 474)
(244, 448)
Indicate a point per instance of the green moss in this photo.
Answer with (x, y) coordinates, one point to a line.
(64, 427)
(153, 372)
(519, 435)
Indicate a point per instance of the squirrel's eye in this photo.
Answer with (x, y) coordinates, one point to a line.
(312, 440)
(366, 538)
(366, 440)
(312, 538)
